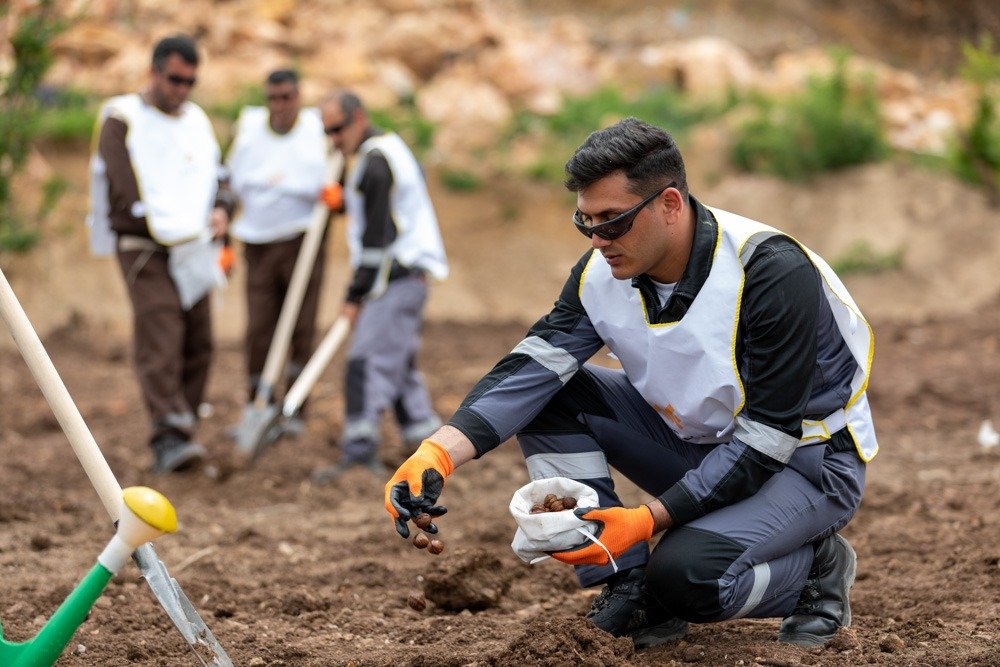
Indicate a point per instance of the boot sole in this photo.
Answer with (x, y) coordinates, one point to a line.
(650, 637)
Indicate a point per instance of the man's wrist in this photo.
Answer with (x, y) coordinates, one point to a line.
(661, 517)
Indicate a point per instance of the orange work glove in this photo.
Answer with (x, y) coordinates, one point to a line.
(226, 259)
(333, 196)
(618, 528)
(415, 487)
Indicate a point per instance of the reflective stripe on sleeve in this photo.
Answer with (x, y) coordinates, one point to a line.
(557, 360)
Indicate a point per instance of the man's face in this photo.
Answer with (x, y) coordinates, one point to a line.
(648, 247)
(283, 105)
(346, 132)
(171, 84)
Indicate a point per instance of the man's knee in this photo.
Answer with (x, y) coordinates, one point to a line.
(684, 572)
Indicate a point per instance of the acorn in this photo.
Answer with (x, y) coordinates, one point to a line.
(421, 541)
(568, 502)
(423, 520)
(436, 547)
(416, 602)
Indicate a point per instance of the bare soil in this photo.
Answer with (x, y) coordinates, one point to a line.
(288, 573)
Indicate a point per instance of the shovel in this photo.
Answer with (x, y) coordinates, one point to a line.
(256, 414)
(164, 587)
(265, 430)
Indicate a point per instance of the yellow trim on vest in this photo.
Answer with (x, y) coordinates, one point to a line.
(583, 275)
(857, 446)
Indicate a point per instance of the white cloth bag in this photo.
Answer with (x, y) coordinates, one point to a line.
(538, 534)
(194, 268)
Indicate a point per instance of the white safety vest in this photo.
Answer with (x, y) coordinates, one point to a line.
(418, 240)
(175, 160)
(687, 370)
(278, 177)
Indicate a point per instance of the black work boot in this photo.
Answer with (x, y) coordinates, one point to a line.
(624, 608)
(172, 453)
(652, 626)
(824, 604)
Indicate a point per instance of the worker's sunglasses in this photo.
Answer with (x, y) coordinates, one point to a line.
(336, 129)
(280, 97)
(618, 226)
(179, 80)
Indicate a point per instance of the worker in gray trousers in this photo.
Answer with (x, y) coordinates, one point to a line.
(395, 247)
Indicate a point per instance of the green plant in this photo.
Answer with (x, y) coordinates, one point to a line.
(66, 124)
(18, 109)
(975, 157)
(560, 133)
(862, 258)
(460, 181)
(831, 125)
(406, 120)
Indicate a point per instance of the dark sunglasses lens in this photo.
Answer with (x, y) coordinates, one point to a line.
(614, 230)
(178, 80)
(282, 97)
(334, 129)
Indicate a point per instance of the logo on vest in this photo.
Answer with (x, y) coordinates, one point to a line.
(671, 415)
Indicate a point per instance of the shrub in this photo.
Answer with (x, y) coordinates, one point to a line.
(830, 126)
(975, 157)
(19, 106)
(560, 133)
(862, 258)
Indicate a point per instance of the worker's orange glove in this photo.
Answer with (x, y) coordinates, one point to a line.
(618, 529)
(415, 487)
(226, 259)
(333, 196)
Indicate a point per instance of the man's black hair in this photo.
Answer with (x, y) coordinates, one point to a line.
(349, 102)
(280, 76)
(182, 45)
(648, 155)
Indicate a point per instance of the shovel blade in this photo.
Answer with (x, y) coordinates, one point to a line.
(180, 610)
(257, 430)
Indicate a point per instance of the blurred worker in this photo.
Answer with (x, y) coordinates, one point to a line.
(155, 186)
(394, 245)
(277, 167)
(740, 406)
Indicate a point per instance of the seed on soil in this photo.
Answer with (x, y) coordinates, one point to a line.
(416, 602)
(421, 541)
(436, 546)
(423, 520)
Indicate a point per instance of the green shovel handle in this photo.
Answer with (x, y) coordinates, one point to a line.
(44, 649)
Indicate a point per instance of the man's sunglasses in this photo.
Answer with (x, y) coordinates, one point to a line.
(179, 80)
(336, 129)
(618, 226)
(280, 97)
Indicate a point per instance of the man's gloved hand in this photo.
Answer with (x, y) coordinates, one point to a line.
(333, 196)
(415, 487)
(618, 528)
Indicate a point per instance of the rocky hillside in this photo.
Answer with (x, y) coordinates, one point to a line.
(470, 64)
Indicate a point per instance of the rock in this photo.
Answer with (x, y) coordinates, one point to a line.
(891, 643)
(693, 653)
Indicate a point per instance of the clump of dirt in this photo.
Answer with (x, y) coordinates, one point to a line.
(553, 641)
(472, 580)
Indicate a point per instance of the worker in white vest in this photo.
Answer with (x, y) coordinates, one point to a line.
(395, 248)
(156, 200)
(740, 407)
(277, 169)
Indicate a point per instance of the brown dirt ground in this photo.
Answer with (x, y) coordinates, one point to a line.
(288, 573)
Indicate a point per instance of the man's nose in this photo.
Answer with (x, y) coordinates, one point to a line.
(597, 242)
